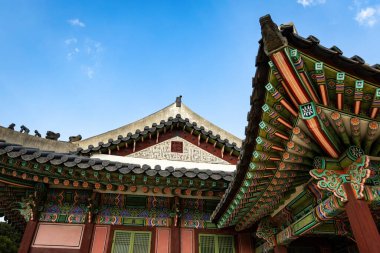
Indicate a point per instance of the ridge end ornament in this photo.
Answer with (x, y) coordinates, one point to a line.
(273, 39)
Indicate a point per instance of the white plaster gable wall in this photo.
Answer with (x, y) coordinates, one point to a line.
(166, 163)
(191, 153)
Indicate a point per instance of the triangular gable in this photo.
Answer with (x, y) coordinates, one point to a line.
(172, 111)
(178, 149)
(192, 131)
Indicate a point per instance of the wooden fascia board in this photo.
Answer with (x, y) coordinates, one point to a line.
(333, 59)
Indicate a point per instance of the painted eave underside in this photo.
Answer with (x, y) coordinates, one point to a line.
(254, 115)
(248, 196)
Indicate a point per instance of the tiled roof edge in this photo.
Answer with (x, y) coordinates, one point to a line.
(73, 160)
(332, 56)
(251, 131)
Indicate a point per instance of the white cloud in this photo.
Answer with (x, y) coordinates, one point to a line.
(306, 3)
(71, 41)
(88, 71)
(93, 47)
(76, 22)
(368, 16)
(72, 53)
(85, 54)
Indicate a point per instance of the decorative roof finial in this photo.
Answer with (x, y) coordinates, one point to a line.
(272, 37)
(178, 101)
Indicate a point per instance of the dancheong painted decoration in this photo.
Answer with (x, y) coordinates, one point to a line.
(305, 179)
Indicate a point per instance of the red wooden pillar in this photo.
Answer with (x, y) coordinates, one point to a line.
(175, 242)
(280, 249)
(325, 249)
(27, 238)
(245, 244)
(362, 224)
(87, 237)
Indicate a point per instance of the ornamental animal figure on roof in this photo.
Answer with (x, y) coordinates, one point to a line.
(52, 136)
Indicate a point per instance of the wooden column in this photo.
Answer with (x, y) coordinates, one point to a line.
(325, 249)
(87, 237)
(245, 245)
(280, 249)
(362, 224)
(27, 238)
(175, 241)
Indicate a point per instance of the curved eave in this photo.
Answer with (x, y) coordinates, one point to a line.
(34, 165)
(254, 116)
(311, 136)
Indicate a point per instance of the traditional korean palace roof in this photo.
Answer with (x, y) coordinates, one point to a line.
(311, 109)
(141, 134)
(30, 165)
(174, 116)
(117, 165)
(22, 168)
(113, 146)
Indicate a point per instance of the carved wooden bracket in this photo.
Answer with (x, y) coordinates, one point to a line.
(351, 168)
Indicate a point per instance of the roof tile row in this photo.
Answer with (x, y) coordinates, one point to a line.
(72, 160)
(155, 127)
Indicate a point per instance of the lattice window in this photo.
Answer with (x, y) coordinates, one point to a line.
(216, 244)
(131, 242)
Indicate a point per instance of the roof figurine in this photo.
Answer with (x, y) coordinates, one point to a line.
(178, 101)
(52, 136)
(75, 138)
(24, 129)
(12, 126)
(37, 134)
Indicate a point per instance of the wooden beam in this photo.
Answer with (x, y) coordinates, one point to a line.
(359, 85)
(339, 89)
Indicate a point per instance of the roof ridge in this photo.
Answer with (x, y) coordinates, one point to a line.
(170, 122)
(157, 117)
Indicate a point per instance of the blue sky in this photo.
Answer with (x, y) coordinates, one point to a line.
(86, 67)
